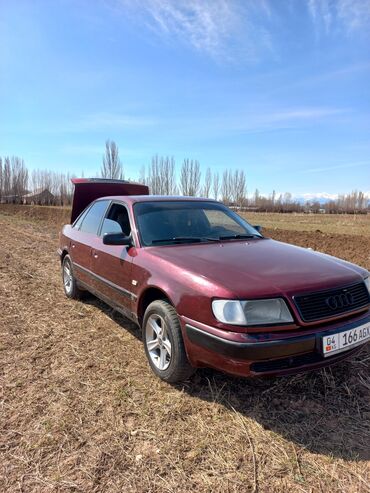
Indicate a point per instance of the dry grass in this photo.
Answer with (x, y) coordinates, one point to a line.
(81, 412)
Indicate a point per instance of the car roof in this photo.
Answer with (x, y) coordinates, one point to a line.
(133, 199)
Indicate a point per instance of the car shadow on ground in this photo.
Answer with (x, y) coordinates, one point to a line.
(117, 317)
(325, 411)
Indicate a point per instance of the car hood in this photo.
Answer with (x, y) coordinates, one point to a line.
(260, 268)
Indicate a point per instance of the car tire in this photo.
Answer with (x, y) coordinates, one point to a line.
(70, 287)
(163, 343)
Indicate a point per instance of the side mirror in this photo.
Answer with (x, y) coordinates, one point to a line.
(258, 228)
(117, 239)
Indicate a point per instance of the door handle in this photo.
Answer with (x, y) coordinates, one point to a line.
(95, 254)
(73, 245)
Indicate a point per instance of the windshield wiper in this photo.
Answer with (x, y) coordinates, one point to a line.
(200, 239)
(206, 238)
(178, 239)
(238, 237)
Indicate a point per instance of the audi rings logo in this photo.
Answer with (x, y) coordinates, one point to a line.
(339, 301)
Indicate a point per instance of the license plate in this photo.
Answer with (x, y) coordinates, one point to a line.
(341, 341)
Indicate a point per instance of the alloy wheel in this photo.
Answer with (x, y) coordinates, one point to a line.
(158, 342)
(67, 277)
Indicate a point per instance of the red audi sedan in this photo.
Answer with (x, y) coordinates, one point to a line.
(208, 289)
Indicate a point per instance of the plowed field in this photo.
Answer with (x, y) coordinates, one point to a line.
(81, 412)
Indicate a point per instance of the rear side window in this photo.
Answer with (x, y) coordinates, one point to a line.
(92, 220)
(78, 223)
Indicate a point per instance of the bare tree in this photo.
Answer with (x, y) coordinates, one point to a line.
(207, 183)
(142, 175)
(355, 202)
(256, 198)
(227, 187)
(19, 178)
(59, 184)
(273, 198)
(234, 188)
(35, 179)
(216, 185)
(111, 167)
(154, 177)
(185, 177)
(15, 179)
(7, 177)
(361, 200)
(161, 176)
(239, 188)
(167, 173)
(190, 177)
(63, 188)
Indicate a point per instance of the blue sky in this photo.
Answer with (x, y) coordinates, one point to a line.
(277, 88)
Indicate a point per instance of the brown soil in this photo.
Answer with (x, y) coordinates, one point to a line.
(81, 412)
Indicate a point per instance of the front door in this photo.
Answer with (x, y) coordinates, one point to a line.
(112, 264)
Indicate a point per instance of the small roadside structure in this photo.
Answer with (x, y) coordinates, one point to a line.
(40, 196)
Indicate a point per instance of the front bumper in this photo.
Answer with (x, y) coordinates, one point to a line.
(268, 354)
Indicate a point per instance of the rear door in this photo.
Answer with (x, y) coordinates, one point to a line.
(84, 235)
(112, 264)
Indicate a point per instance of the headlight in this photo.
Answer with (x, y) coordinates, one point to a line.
(367, 283)
(253, 312)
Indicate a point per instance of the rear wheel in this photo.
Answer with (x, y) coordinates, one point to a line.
(69, 282)
(164, 346)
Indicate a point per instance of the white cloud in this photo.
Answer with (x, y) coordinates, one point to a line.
(112, 120)
(354, 14)
(223, 29)
(205, 25)
(104, 121)
(260, 119)
(338, 166)
(350, 15)
(321, 13)
(294, 115)
(240, 30)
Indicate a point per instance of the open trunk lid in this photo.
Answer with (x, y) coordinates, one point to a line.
(89, 189)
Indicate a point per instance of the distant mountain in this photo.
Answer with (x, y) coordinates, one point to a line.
(321, 197)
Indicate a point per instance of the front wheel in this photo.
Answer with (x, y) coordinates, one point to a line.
(164, 346)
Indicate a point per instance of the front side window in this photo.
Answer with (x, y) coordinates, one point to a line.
(93, 217)
(117, 221)
(171, 222)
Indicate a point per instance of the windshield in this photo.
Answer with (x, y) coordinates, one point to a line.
(173, 222)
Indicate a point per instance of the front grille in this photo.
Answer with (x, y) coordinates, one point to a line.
(333, 302)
